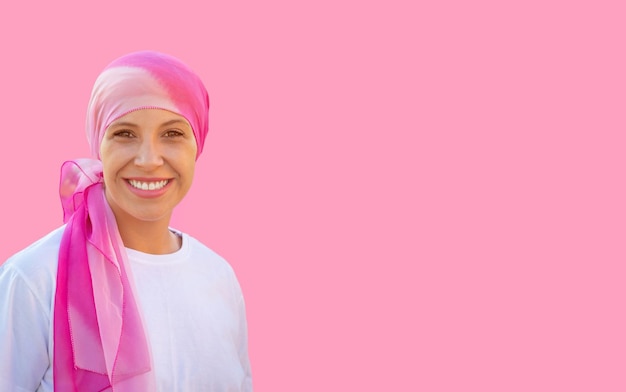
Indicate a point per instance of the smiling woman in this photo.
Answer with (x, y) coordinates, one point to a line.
(148, 160)
(116, 299)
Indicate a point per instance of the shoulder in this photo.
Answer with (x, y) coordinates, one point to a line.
(201, 253)
(36, 263)
(29, 276)
(198, 250)
(45, 249)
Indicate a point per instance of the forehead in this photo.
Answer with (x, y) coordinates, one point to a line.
(150, 117)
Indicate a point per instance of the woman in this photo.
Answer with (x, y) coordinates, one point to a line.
(116, 300)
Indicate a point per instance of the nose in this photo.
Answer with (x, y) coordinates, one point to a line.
(148, 155)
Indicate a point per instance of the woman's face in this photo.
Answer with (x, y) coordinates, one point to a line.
(148, 159)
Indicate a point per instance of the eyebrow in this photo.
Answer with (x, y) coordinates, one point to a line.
(122, 124)
(130, 124)
(174, 121)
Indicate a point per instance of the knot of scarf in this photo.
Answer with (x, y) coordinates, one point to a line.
(99, 338)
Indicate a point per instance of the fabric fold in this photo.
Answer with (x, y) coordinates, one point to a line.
(100, 340)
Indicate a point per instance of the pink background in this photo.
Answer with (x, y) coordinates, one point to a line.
(415, 197)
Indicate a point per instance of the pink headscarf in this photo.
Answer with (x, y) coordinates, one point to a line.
(99, 338)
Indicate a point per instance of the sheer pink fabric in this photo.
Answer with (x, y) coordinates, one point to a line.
(99, 336)
(100, 343)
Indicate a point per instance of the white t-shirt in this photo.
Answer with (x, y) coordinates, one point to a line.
(192, 307)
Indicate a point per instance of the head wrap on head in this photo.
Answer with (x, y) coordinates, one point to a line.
(99, 337)
(146, 80)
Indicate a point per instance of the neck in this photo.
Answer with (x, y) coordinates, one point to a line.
(149, 237)
(152, 237)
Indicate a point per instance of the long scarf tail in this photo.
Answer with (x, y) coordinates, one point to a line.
(99, 338)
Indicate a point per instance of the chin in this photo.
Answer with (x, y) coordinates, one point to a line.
(149, 216)
(152, 217)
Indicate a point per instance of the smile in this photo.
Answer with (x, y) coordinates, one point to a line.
(148, 186)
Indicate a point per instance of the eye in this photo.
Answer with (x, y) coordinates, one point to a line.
(123, 133)
(173, 133)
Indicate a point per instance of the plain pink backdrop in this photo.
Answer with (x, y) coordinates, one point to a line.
(416, 196)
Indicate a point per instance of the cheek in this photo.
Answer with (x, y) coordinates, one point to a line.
(108, 176)
(107, 154)
(183, 159)
(112, 154)
(189, 168)
(113, 159)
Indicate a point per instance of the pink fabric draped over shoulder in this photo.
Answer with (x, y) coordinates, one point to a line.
(99, 339)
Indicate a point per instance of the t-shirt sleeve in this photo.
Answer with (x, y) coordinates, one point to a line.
(243, 347)
(24, 333)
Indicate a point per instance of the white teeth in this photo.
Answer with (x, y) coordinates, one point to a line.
(148, 186)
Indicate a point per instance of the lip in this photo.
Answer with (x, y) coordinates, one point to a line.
(148, 194)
